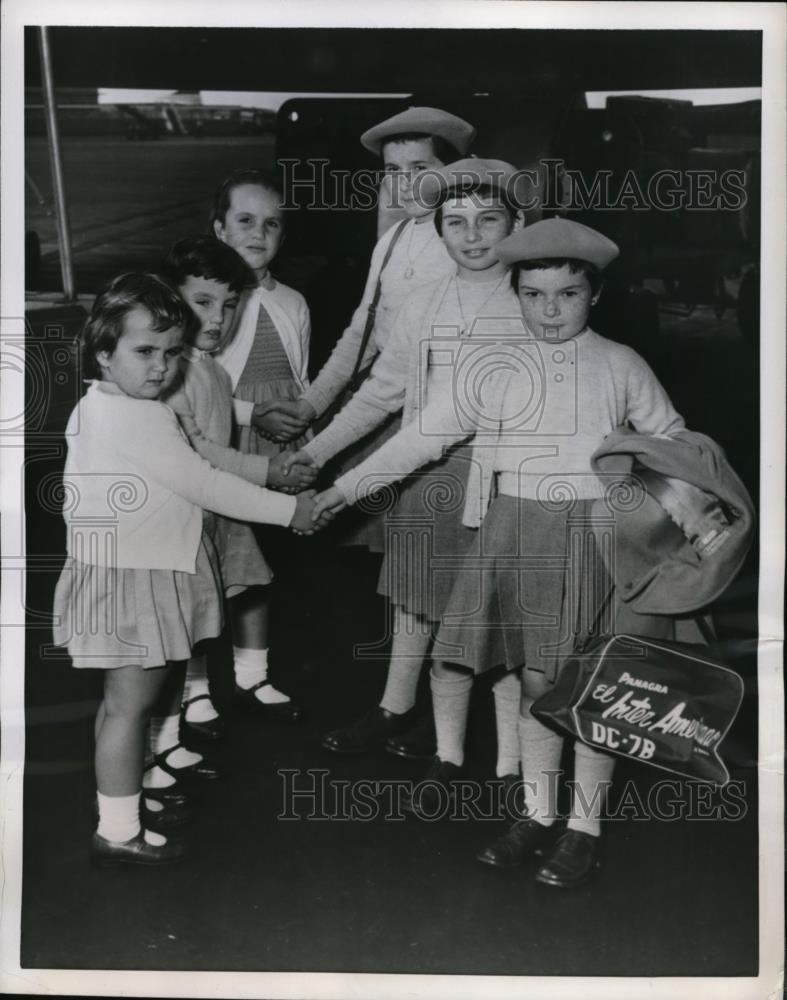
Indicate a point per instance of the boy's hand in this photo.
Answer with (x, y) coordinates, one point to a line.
(301, 522)
(327, 506)
(295, 478)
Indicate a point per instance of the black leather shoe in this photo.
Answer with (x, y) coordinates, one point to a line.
(573, 860)
(418, 743)
(434, 791)
(212, 729)
(368, 733)
(168, 818)
(282, 711)
(107, 853)
(201, 770)
(523, 839)
(172, 795)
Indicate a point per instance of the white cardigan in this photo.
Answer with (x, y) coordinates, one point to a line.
(132, 476)
(289, 314)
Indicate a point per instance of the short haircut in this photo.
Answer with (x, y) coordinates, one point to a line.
(207, 257)
(469, 186)
(442, 148)
(575, 266)
(104, 327)
(223, 195)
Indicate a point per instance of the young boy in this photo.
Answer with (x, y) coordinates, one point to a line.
(540, 459)
(210, 277)
(475, 215)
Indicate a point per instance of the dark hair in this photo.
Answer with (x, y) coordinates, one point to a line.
(469, 186)
(575, 266)
(441, 148)
(223, 195)
(207, 257)
(104, 327)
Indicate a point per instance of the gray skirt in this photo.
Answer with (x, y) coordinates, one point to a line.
(534, 585)
(425, 539)
(108, 618)
(363, 524)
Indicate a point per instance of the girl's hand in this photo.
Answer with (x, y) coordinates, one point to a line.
(298, 458)
(296, 477)
(303, 410)
(327, 506)
(301, 522)
(276, 423)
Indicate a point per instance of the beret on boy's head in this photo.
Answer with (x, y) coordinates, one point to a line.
(557, 238)
(431, 121)
(434, 186)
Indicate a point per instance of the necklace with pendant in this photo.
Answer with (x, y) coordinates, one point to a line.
(409, 271)
(480, 309)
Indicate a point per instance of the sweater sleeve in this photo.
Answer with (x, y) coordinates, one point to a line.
(381, 394)
(648, 407)
(407, 450)
(170, 461)
(337, 370)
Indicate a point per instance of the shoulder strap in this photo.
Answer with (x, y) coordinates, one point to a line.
(372, 313)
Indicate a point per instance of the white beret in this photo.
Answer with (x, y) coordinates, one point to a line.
(433, 186)
(557, 238)
(430, 121)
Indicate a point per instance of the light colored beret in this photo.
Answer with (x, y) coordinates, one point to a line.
(432, 187)
(557, 238)
(431, 121)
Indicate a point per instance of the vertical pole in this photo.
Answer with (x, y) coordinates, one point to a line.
(56, 161)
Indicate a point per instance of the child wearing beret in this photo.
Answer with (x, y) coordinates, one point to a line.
(550, 400)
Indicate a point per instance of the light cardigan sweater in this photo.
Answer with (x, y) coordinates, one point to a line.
(418, 248)
(202, 399)
(533, 448)
(289, 314)
(400, 375)
(130, 473)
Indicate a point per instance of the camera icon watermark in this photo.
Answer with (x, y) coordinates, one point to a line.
(497, 380)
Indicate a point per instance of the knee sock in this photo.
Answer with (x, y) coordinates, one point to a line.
(163, 736)
(540, 749)
(508, 692)
(197, 687)
(451, 700)
(118, 819)
(251, 667)
(411, 638)
(592, 778)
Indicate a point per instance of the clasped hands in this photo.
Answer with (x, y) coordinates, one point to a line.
(313, 510)
(282, 420)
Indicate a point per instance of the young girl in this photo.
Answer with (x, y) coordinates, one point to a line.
(544, 412)
(210, 276)
(140, 587)
(415, 365)
(406, 257)
(266, 356)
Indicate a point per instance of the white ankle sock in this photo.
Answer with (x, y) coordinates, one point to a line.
(592, 778)
(162, 736)
(118, 817)
(251, 667)
(508, 693)
(411, 638)
(197, 687)
(540, 749)
(451, 701)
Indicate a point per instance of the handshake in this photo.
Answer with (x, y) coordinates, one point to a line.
(282, 420)
(313, 510)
